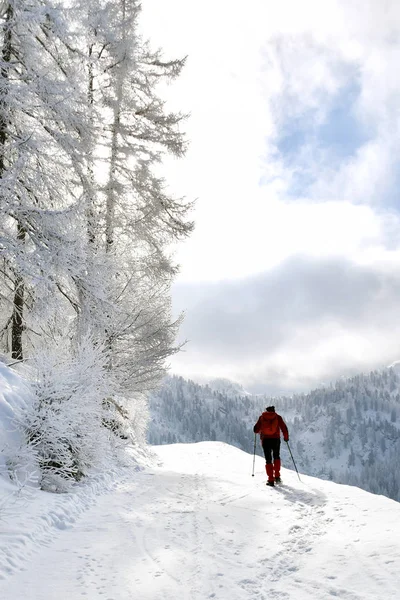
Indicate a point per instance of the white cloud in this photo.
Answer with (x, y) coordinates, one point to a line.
(305, 321)
(253, 69)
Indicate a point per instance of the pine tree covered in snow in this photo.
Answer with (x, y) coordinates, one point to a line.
(348, 432)
(42, 141)
(86, 223)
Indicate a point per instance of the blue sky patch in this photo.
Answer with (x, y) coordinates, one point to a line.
(342, 132)
(305, 144)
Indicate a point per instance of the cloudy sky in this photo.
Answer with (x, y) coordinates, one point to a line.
(292, 276)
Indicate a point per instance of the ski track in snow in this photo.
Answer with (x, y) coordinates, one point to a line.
(199, 527)
(51, 514)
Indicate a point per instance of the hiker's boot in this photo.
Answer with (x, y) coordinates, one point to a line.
(270, 473)
(277, 470)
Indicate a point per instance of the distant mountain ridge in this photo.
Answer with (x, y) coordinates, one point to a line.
(348, 432)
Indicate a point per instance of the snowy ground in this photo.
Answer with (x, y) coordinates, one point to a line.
(198, 526)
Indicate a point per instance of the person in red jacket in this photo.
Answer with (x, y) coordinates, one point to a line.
(269, 426)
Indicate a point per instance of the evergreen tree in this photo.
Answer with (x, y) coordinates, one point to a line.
(42, 140)
(87, 222)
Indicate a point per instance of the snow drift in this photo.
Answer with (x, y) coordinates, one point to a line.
(195, 525)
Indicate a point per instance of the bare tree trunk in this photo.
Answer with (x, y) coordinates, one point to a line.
(19, 287)
(110, 205)
(4, 77)
(91, 216)
(17, 326)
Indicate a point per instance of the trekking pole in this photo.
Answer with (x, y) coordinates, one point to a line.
(254, 454)
(293, 461)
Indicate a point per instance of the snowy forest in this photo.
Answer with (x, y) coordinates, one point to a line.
(86, 229)
(347, 432)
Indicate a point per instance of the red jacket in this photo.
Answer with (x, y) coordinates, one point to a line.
(270, 425)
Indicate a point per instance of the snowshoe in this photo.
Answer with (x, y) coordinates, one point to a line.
(270, 483)
(278, 480)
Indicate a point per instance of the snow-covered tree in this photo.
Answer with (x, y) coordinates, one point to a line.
(132, 219)
(87, 221)
(42, 141)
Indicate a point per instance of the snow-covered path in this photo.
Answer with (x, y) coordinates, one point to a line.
(198, 526)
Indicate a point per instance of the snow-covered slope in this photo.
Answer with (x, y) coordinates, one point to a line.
(196, 526)
(348, 432)
(18, 468)
(15, 399)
